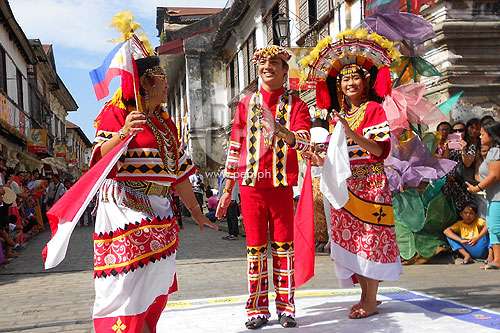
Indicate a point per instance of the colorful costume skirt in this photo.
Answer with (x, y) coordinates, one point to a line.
(135, 244)
(363, 235)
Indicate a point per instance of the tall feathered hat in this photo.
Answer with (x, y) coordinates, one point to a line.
(354, 50)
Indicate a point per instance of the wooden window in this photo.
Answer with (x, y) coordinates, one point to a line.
(249, 69)
(20, 95)
(3, 71)
(322, 8)
(232, 78)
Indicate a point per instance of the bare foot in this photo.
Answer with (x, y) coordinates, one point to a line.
(359, 305)
(364, 311)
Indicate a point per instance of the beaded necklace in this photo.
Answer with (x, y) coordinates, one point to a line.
(356, 116)
(166, 143)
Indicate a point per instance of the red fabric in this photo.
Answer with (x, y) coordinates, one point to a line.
(123, 253)
(261, 212)
(374, 115)
(263, 217)
(112, 119)
(299, 120)
(383, 82)
(67, 207)
(134, 323)
(323, 99)
(304, 232)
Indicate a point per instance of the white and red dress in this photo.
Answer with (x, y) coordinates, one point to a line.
(363, 235)
(135, 237)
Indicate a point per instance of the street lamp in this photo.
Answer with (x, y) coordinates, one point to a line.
(282, 28)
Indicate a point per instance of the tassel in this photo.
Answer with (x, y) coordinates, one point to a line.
(383, 82)
(323, 99)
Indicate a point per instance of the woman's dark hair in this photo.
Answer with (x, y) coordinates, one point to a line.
(486, 119)
(469, 124)
(458, 123)
(493, 129)
(331, 83)
(471, 205)
(209, 193)
(444, 123)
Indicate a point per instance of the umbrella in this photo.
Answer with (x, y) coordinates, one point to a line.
(398, 26)
(411, 67)
(411, 6)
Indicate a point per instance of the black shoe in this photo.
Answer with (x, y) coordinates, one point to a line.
(255, 323)
(287, 321)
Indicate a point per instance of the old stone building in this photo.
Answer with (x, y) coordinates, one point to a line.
(209, 61)
(466, 50)
(79, 150)
(34, 101)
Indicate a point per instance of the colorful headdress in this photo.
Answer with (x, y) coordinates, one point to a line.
(368, 51)
(272, 51)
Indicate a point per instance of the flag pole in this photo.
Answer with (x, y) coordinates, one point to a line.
(138, 103)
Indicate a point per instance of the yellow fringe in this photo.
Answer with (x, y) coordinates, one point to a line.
(350, 34)
(125, 24)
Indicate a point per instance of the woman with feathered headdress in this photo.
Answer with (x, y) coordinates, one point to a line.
(352, 78)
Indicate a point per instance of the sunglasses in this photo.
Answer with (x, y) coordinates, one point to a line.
(458, 130)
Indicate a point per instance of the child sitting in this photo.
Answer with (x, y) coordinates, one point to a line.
(212, 203)
(469, 236)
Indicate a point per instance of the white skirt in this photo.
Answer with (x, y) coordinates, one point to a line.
(135, 244)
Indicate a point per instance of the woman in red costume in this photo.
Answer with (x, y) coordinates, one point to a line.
(363, 237)
(135, 239)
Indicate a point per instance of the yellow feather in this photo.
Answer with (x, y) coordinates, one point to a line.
(125, 24)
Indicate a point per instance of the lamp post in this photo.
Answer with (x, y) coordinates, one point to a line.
(282, 28)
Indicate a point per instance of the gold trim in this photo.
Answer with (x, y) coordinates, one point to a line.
(370, 212)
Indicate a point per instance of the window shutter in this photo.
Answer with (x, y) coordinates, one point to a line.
(322, 8)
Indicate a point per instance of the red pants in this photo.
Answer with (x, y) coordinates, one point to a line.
(269, 211)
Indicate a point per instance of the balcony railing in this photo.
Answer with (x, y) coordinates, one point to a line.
(13, 119)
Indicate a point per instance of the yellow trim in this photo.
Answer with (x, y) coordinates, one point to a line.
(101, 268)
(369, 212)
(100, 241)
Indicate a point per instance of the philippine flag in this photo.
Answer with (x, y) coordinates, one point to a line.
(118, 63)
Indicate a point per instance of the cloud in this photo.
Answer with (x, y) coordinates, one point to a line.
(84, 25)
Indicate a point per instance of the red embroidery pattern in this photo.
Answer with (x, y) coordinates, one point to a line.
(372, 242)
(135, 246)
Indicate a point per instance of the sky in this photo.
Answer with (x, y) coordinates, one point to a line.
(80, 34)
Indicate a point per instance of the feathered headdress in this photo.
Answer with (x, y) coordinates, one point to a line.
(369, 51)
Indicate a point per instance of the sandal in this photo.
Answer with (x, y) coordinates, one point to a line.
(358, 306)
(287, 321)
(255, 323)
(490, 267)
(361, 314)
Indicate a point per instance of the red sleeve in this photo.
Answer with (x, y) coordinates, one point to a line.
(109, 122)
(300, 124)
(236, 140)
(375, 127)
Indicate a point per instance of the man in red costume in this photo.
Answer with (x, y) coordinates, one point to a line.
(269, 127)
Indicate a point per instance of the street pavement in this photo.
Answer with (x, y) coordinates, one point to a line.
(60, 300)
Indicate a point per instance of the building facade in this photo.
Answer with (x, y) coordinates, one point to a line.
(210, 69)
(34, 102)
(79, 150)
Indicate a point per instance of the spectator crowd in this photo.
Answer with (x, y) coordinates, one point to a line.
(25, 198)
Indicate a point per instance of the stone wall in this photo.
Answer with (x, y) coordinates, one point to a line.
(466, 50)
